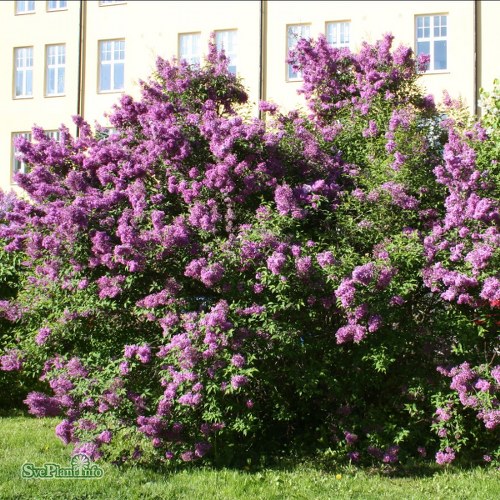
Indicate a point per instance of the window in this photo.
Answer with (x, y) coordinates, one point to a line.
(18, 165)
(55, 69)
(432, 33)
(189, 48)
(338, 34)
(25, 7)
(23, 78)
(105, 132)
(228, 41)
(57, 5)
(294, 33)
(111, 65)
(53, 134)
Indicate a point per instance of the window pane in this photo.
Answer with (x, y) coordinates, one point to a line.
(440, 54)
(294, 33)
(105, 51)
(51, 81)
(423, 48)
(105, 80)
(19, 83)
(228, 42)
(29, 82)
(119, 76)
(60, 81)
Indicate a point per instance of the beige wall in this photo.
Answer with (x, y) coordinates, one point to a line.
(36, 30)
(489, 42)
(151, 28)
(369, 21)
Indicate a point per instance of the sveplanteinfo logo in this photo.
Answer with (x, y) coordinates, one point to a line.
(81, 467)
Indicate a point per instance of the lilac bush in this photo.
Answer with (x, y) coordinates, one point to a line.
(200, 285)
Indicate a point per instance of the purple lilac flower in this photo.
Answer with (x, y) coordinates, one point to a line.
(442, 433)
(41, 405)
(363, 274)
(43, 335)
(64, 431)
(350, 437)
(75, 368)
(303, 265)
(238, 360)
(345, 292)
(91, 450)
(105, 437)
(374, 323)
(483, 385)
(391, 455)
(202, 448)
(325, 259)
(188, 456)
(211, 275)
(276, 262)
(397, 301)
(495, 373)
(238, 381)
(442, 415)
(445, 457)
(11, 361)
(190, 399)
(144, 353)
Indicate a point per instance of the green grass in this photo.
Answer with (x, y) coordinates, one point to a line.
(24, 439)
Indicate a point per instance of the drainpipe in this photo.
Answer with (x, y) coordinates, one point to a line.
(477, 83)
(262, 53)
(80, 98)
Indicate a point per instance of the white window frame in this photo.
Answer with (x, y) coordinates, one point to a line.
(23, 7)
(228, 40)
(106, 3)
(106, 132)
(293, 33)
(432, 38)
(23, 55)
(16, 164)
(59, 5)
(58, 66)
(53, 134)
(193, 45)
(112, 62)
(338, 33)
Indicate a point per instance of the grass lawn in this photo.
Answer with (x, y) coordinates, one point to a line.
(24, 439)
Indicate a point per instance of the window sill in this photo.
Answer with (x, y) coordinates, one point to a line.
(104, 92)
(436, 72)
(48, 96)
(56, 10)
(22, 97)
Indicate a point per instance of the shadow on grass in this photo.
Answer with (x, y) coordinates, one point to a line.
(284, 463)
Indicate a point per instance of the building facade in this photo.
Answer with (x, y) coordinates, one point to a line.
(63, 58)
